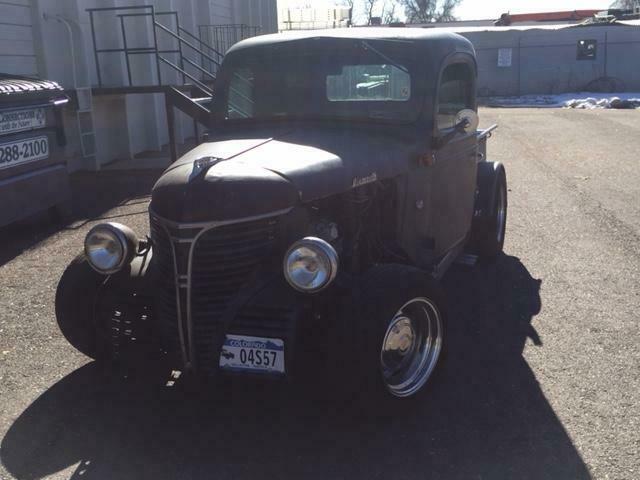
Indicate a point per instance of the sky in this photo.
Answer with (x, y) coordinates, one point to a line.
(484, 9)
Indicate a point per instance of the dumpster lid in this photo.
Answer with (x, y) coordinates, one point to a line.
(18, 88)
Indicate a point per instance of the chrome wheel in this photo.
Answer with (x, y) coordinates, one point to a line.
(411, 347)
(501, 214)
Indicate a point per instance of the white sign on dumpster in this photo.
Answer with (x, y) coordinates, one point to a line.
(504, 57)
(21, 120)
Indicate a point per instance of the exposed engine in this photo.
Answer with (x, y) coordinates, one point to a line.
(360, 225)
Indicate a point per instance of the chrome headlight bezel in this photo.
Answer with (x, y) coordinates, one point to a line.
(328, 260)
(122, 236)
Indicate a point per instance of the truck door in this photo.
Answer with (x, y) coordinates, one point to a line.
(455, 167)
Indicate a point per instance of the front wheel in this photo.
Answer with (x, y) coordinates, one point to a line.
(396, 335)
(75, 307)
(411, 346)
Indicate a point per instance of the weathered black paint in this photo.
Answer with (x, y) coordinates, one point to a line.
(277, 170)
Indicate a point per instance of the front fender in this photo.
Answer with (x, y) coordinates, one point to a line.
(102, 316)
(135, 278)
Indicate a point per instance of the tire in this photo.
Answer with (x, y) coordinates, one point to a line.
(387, 296)
(75, 302)
(62, 212)
(488, 232)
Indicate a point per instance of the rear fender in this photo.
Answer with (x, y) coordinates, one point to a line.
(488, 174)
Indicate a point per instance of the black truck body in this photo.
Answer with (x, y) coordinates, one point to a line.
(342, 176)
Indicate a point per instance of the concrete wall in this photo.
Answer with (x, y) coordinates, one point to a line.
(544, 61)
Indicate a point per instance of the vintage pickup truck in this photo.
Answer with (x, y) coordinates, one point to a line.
(344, 173)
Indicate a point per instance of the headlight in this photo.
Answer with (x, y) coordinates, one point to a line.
(109, 247)
(310, 264)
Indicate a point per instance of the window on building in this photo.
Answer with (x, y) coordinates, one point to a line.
(455, 94)
(587, 49)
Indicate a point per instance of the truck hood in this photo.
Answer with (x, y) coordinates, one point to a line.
(267, 173)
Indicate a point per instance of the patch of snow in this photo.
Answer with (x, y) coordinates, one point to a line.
(580, 100)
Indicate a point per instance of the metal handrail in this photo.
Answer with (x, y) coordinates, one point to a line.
(149, 11)
(203, 70)
(130, 7)
(204, 44)
(188, 44)
(226, 34)
(96, 51)
(201, 85)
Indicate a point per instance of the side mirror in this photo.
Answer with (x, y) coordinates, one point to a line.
(467, 121)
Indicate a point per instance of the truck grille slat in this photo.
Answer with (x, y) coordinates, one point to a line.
(223, 260)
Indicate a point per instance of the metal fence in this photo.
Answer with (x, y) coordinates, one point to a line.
(222, 37)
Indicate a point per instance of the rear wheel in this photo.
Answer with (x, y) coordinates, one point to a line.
(489, 230)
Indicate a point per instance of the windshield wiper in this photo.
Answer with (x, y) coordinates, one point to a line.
(389, 60)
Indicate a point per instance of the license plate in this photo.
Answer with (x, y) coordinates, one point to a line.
(23, 151)
(21, 120)
(252, 354)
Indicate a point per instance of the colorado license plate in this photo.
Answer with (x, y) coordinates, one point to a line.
(23, 151)
(252, 354)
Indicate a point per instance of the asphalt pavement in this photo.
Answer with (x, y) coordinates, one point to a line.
(543, 381)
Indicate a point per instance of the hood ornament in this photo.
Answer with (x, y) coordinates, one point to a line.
(201, 165)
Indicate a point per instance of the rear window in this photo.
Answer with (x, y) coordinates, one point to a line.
(357, 83)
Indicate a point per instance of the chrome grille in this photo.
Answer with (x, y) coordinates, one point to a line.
(224, 260)
(212, 263)
(165, 294)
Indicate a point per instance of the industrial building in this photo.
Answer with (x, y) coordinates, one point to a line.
(125, 63)
(545, 59)
(307, 16)
(120, 59)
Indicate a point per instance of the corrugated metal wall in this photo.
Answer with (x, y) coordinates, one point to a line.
(125, 124)
(545, 61)
(263, 13)
(17, 53)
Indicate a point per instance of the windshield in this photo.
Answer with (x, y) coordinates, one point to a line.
(362, 82)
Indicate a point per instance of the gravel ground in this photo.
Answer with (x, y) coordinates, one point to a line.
(544, 382)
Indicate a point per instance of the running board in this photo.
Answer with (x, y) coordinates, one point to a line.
(467, 260)
(450, 257)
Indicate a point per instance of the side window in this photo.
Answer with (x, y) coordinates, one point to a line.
(241, 90)
(455, 94)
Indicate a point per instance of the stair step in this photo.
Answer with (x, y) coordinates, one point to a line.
(149, 154)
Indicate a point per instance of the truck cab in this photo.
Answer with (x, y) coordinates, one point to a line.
(343, 175)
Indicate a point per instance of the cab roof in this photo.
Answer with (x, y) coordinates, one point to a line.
(439, 43)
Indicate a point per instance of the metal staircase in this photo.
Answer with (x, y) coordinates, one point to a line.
(189, 63)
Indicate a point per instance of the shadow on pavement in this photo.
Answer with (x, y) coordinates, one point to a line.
(93, 194)
(485, 418)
